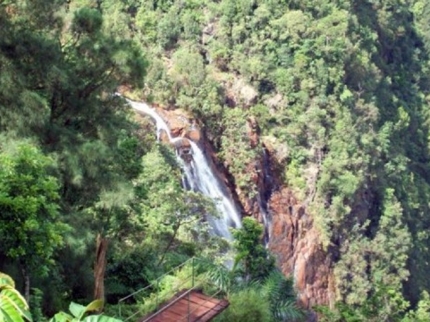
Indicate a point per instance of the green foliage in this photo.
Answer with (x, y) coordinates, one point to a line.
(252, 259)
(422, 312)
(167, 286)
(169, 212)
(36, 305)
(254, 276)
(341, 100)
(29, 202)
(59, 70)
(13, 306)
(279, 291)
(87, 20)
(237, 151)
(246, 305)
(270, 299)
(79, 313)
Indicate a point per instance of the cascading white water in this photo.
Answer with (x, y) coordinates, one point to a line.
(159, 122)
(199, 177)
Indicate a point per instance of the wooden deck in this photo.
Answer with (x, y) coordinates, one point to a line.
(188, 306)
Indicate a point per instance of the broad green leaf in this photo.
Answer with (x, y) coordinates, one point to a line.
(94, 306)
(61, 317)
(100, 318)
(5, 317)
(6, 281)
(77, 310)
(8, 310)
(17, 301)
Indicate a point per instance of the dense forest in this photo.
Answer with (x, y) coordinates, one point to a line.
(325, 103)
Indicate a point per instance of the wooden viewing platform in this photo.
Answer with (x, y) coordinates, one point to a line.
(188, 306)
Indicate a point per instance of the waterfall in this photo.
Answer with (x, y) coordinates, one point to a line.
(199, 177)
(159, 122)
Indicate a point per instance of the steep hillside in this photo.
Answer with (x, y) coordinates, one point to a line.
(315, 113)
(318, 111)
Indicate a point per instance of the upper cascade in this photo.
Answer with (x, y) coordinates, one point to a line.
(159, 122)
(199, 177)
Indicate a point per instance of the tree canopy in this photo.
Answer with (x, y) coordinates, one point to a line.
(334, 94)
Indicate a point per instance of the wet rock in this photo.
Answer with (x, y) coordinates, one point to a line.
(193, 134)
(183, 147)
(181, 124)
(182, 144)
(164, 137)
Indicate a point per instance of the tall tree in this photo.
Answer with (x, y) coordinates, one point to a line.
(29, 206)
(60, 72)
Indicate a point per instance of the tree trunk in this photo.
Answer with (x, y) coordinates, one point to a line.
(100, 267)
(26, 277)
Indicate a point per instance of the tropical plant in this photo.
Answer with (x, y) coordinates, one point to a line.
(13, 307)
(280, 294)
(274, 294)
(246, 305)
(30, 231)
(254, 276)
(79, 313)
(253, 261)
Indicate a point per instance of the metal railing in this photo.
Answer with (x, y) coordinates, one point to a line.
(189, 279)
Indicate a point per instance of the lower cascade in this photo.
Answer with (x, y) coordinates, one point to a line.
(199, 177)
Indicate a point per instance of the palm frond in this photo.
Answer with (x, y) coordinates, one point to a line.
(221, 277)
(279, 291)
(287, 310)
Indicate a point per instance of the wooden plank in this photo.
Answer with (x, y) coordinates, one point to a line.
(223, 304)
(204, 297)
(200, 307)
(198, 311)
(161, 310)
(207, 305)
(214, 312)
(166, 316)
(182, 308)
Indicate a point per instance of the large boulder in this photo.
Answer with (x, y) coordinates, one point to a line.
(181, 124)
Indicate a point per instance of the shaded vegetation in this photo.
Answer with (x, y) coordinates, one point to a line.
(340, 94)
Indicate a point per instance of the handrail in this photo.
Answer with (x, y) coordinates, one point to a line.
(156, 282)
(157, 279)
(187, 292)
(170, 304)
(199, 306)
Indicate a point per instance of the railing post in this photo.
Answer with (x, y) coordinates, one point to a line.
(192, 286)
(192, 272)
(156, 297)
(189, 307)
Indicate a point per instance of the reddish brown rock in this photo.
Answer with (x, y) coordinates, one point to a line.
(296, 246)
(252, 127)
(180, 124)
(182, 143)
(194, 135)
(164, 137)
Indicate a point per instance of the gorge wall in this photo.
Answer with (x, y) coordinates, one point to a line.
(290, 233)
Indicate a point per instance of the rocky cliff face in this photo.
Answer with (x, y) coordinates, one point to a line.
(290, 234)
(292, 237)
(295, 243)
